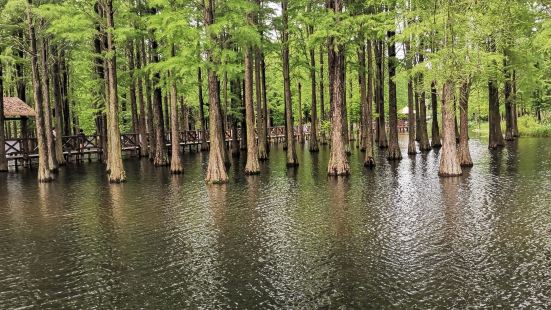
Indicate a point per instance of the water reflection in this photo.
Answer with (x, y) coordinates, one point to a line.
(396, 236)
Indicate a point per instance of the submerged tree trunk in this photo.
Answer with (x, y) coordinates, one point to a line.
(412, 149)
(514, 105)
(160, 157)
(216, 170)
(313, 147)
(508, 96)
(424, 144)
(142, 105)
(393, 147)
(323, 138)
(300, 124)
(44, 174)
(235, 87)
(435, 139)
(3, 160)
(464, 152)
(204, 144)
(494, 118)
(338, 161)
(380, 97)
(449, 161)
(290, 134)
(116, 169)
(252, 166)
(58, 110)
(176, 156)
(260, 111)
(52, 160)
(369, 160)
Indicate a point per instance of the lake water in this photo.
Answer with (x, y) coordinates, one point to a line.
(397, 236)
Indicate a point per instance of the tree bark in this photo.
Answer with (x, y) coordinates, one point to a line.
(204, 144)
(176, 156)
(394, 152)
(508, 96)
(449, 161)
(3, 160)
(142, 103)
(58, 110)
(235, 87)
(464, 152)
(300, 124)
(116, 169)
(436, 140)
(52, 160)
(379, 96)
(260, 113)
(424, 144)
(323, 138)
(160, 157)
(216, 170)
(494, 118)
(132, 88)
(290, 135)
(412, 149)
(338, 161)
(44, 174)
(252, 166)
(369, 160)
(314, 122)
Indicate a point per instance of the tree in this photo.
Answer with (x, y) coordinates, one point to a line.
(393, 147)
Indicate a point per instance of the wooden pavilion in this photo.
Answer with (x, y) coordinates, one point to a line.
(17, 110)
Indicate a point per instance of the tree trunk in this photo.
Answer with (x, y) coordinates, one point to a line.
(265, 109)
(323, 138)
(58, 110)
(393, 147)
(300, 124)
(515, 112)
(260, 113)
(436, 141)
(508, 96)
(338, 161)
(314, 122)
(142, 104)
(3, 160)
(369, 160)
(235, 87)
(424, 144)
(116, 169)
(449, 161)
(290, 134)
(204, 144)
(67, 127)
(216, 170)
(494, 118)
(44, 174)
(412, 149)
(464, 152)
(132, 88)
(52, 160)
(252, 166)
(380, 98)
(176, 156)
(160, 157)
(149, 105)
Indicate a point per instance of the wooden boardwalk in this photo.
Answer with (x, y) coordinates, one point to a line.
(23, 150)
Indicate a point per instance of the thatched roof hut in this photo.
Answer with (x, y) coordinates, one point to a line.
(15, 107)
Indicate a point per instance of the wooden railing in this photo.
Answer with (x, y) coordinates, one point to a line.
(27, 148)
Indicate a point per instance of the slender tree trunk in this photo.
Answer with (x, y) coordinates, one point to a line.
(393, 147)
(449, 161)
(265, 109)
(314, 123)
(300, 123)
(176, 156)
(3, 160)
(496, 137)
(260, 113)
(204, 144)
(323, 138)
(424, 144)
(507, 93)
(290, 134)
(369, 160)
(142, 104)
(412, 149)
(58, 110)
(436, 141)
(381, 125)
(252, 166)
(216, 170)
(236, 104)
(464, 152)
(67, 127)
(52, 160)
(338, 161)
(116, 169)
(149, 103)
(44, 174)
(132, 88)
(514, 105)
(160, 157)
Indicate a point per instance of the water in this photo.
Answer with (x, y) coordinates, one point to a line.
(394, 237)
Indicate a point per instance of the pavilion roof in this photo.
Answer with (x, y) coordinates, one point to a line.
(13, 106)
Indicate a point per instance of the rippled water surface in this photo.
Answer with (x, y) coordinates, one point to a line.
(394, 237)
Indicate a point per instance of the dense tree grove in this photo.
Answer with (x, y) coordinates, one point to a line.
(345, 68)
